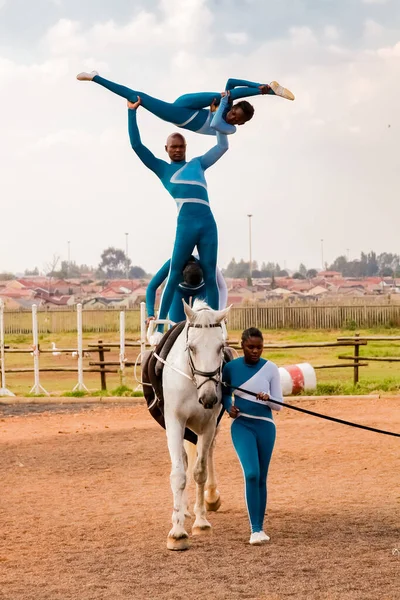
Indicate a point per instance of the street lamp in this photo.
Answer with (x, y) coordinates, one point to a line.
(322, 253)
(126, 254)
(250, 263)
(69, 257)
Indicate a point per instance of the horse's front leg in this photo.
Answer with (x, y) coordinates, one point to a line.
(178, 538)
(212, 496)
(201, 525)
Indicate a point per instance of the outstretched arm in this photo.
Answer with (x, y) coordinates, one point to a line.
(153, 286)
(275, 390)
(153, 163)
(218, 122)
(215, 153)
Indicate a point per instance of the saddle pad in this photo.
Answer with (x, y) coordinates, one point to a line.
(154, 393)
(165, 345)
(151, 374)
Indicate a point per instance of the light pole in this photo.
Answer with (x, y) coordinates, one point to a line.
(322, 254)
(250, 263)
(126, 254)
(69, 257)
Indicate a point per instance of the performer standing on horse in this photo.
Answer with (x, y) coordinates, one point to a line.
(196, 226)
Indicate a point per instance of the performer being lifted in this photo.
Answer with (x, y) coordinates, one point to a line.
(195, 111)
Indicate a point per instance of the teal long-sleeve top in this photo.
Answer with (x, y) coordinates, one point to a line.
(185, 181)
(262, 376)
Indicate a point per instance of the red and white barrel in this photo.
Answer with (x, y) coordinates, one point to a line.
(296, 378)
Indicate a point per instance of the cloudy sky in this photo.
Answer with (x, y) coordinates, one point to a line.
(323, 167)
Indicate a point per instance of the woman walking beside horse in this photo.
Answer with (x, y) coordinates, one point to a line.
(253, 429)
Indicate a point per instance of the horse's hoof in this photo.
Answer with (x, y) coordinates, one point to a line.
(202, 530)
(181, 543)
(213, 506)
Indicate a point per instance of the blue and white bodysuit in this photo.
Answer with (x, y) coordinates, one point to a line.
(184, 291)
(189, 111)
(196, 226)
(253, 431)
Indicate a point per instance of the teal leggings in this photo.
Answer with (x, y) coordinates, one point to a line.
(196, 227)
(254, 441)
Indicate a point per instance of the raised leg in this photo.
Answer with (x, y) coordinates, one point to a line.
(167, 111)
(201, 525)
(212, 495)
(177, 537)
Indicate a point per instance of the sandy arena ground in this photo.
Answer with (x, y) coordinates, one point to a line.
(85, 509)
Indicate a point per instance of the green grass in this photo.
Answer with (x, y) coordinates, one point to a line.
(340, 388)
(377, 377)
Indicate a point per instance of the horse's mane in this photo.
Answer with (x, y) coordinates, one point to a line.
(205, 315)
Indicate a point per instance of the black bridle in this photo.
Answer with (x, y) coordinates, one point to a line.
(215, 375)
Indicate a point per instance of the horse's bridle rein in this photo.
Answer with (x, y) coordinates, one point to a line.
(215, 375)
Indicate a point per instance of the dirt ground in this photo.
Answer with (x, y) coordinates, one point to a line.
(85, 509)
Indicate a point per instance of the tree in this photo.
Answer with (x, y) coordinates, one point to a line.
(51, 266)
(311, 273)
(114, 263)
(340, 265)
(230, 269)
(137, 273)
(303, 270)
(372, 264)
(6, 276)
(298, 275)
(33, 272)
(387, 260)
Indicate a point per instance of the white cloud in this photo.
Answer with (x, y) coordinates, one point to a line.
(375, 1)
(331, 33)
(237, 38)
(302, 36)
(65, 154)
(372, 29)
(390, 52)
(64, 137)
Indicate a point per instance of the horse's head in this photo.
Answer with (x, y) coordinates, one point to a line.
(205, 344)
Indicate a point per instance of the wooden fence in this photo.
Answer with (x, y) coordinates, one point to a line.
(281, 316)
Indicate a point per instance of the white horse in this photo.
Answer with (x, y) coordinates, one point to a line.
(192, 398)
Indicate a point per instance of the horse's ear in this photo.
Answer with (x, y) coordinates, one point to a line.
(189, 312)
(220, 315)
